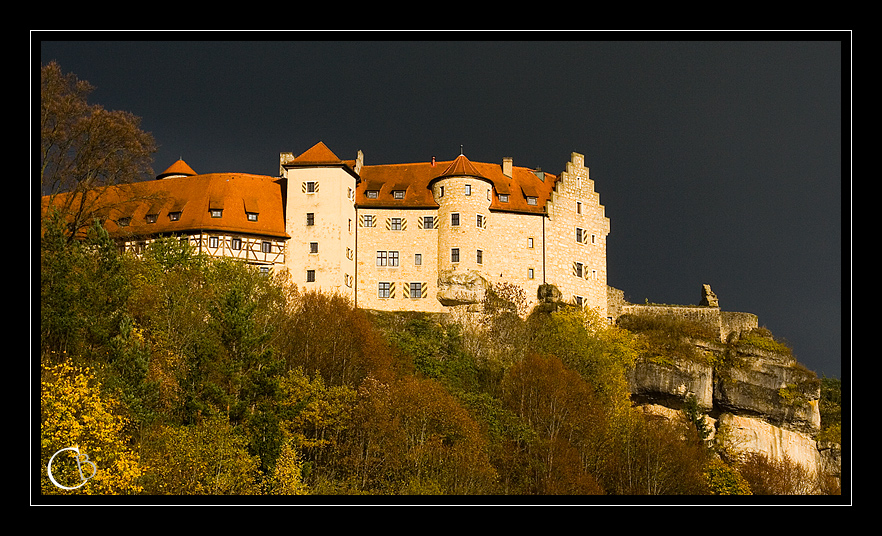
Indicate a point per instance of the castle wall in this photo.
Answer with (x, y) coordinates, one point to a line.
(396, 256)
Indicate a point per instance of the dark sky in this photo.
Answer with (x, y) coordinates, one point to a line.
(718, 162)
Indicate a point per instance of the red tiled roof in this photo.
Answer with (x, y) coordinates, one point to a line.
(418, 177)
(193, 196)
(317, 154)
(178, 168)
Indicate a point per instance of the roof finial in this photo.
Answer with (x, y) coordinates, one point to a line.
(460, 149)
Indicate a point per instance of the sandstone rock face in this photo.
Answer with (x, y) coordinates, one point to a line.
(673, 382)
(752, 435)
(461, 288)
(762, 401)
(771, 387)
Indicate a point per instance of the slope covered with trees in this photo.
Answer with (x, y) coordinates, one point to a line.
(179, 374)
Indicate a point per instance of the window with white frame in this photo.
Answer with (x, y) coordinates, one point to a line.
(313, 247)
(384, 289)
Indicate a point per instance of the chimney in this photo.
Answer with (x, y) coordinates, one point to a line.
(506, 166)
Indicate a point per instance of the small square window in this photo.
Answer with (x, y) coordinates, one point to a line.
(384, 289)
(311, 187)
(454, 219)
(252, 216)
(396, 224)
(174, 216)
(416, 290)
(151, 218)
(454, 255)
(236, 243)
(393, 258)
(313, 247)
(372, 194)
(428, 222)
(531, 200)
(212, 241)
(123, 222)
(503, 198)
(310, 218)
(368, 220)
(216, 212)
(398, 194)
(266, 247)
(310, 276)
(382, 258)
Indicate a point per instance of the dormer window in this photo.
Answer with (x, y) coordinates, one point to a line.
(174, 216)
(216, 212)
(531, 200)
(151, 218)
(123, 222)
(372, 194)
(398, 194)
(503, 198)
(252, 216)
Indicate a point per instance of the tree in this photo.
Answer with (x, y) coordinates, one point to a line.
(73, 413)
(207, 458)
(84, 149)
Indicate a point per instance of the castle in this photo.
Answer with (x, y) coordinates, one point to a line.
(424, 236)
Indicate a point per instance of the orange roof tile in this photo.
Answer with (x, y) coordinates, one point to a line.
(178, 168)
(384, 179)
(192, 197)
(318, 154)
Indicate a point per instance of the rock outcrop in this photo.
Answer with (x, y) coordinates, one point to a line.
(758, 400)
(461, 288)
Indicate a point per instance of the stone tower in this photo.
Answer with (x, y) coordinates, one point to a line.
(320, 217)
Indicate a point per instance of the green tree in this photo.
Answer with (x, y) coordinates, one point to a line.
(206, 458)
(602, 354)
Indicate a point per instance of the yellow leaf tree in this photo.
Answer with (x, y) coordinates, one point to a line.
(73, 413)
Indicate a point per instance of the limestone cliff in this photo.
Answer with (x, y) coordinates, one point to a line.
(756, 396)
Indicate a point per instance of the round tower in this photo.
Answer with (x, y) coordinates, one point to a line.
(463, 218)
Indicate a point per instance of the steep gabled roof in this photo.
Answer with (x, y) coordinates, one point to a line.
(316, 155)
